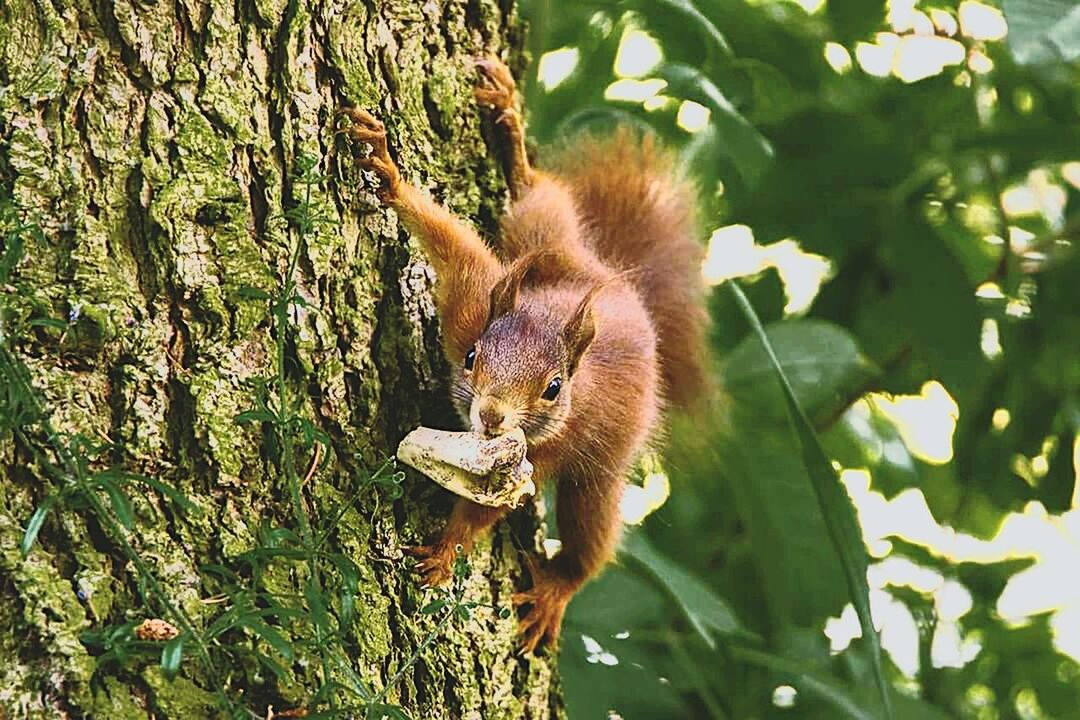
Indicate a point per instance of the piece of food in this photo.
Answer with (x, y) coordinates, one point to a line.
(489, 471)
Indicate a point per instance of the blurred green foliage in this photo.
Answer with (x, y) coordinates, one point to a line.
(945, 200)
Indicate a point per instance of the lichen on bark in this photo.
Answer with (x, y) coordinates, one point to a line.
(154, 143)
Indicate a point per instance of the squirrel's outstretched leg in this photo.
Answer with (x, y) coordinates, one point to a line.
(466, 522)
(465, 267)
(498, 91)
(589, 524)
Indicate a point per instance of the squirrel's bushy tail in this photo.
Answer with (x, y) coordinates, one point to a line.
(642, 215)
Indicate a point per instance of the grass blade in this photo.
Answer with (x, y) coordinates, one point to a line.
(270, 635)
(120, 503)
(176, 496)
(171, 655)
(34, 526)
(834, 503)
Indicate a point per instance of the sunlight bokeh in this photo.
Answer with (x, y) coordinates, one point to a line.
(810, 6)
(1050, 585)
(838, 57)
(926, 421)
(555, 66)
(631, 90)
(637, 55)
(693, 117)
(639, 501)
(732, 252)
(981, 22)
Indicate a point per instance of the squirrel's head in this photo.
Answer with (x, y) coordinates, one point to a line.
(520, 372)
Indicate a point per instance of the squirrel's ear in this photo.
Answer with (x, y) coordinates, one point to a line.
(580, 329)
(504, 296)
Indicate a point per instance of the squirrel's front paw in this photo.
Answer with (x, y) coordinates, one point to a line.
(366, 128)
(436, 564)
(496, 88)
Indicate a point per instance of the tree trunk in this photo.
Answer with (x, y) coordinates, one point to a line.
(158, 145)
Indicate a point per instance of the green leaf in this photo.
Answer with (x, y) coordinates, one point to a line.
(716, 44)
(171, 655)
(273, 537)
(253, 416)
(461, 566)
(279, 670)
(855, 19)
(34, 526)
(269, 634)
(774, 97)
(120, 503)
(355, 683)
(252, 293)
(350, 573)
(309, 433)
(1043, 31)
(935, 302)
(122, 476)
(750, 152)
(808, 681)
(300, 301)
(834, 504)
(433, 607)
(619, 600)
(378, 711)
(317, 607)
(821, 361)
(708, 614)
(48, 322)
(13, 253)
(267, 553)
(170, 492)
(766, 480)
(350, 586)
(225, 574)
(636, 687)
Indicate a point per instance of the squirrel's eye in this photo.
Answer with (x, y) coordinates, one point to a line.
(470, 358)
(552, 390)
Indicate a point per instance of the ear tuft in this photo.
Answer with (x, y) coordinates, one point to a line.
(531, 266)
(580, 329)
(504, 296)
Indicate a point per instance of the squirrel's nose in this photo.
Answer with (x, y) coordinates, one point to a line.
(492, 418)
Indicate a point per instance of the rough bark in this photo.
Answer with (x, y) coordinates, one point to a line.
(154, 142)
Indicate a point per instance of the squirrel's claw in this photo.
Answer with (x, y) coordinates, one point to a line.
(366, 128)
(361, 118)
(548, 599)
(497, 87)
(436, 564)
(541, 624)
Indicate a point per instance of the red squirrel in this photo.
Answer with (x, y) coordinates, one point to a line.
(582, 328)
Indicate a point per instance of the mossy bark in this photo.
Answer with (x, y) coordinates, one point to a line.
(154, 143)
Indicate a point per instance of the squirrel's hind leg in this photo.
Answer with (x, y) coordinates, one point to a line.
(589, 523)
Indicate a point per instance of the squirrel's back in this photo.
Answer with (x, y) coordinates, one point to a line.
(641, 216)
